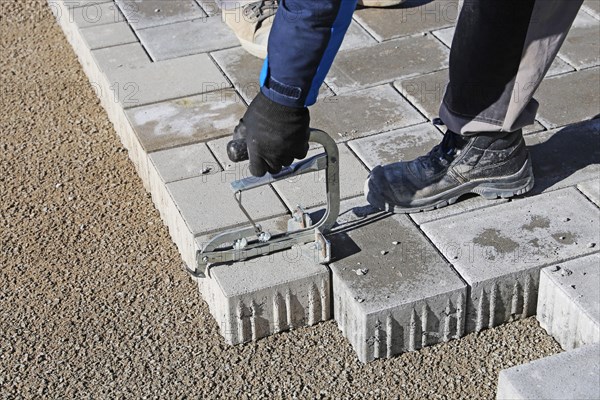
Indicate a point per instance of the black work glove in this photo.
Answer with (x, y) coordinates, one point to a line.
(275, 134)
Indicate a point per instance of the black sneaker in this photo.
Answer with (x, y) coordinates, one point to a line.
(491, 165)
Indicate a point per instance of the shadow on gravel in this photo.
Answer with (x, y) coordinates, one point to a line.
(558, 156)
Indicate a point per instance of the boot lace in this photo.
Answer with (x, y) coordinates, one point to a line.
(260, 10)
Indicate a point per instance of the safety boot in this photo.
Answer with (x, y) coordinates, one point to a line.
(489, 164)
(251, 23)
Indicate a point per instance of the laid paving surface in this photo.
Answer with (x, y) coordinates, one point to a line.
(174, 101)
(571, 375)
(93, 301)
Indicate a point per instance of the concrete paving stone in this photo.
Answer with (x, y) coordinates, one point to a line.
(558, 66)
(243, 70)
(188, 37)
(364, 112)
(392, 298)
(356, 37)
(210, 7)
(69, 4)
(445, 35)
(592, 7)
(500, 260)
(386, 62)
(267, 295)
(127, 56)
(184, 162)
(425, 92)
(207, 203)
(591, 190)
(149, 13)
(309, 190)
(565, 156)
(412, 17)
(582, 45)
(570, 375)
(569, 98)
(95, 14)
(187, 120)
(568, 305)
(166, 80)
(398, 145)
(108, 35)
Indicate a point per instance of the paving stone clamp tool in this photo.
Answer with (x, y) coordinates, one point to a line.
(245, 243)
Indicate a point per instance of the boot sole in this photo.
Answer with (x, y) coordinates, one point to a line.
(505, 187)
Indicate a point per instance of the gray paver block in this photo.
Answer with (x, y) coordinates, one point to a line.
(592, 7)
(565, 157)
(184, 162)
(398, 145)
(206, 203)
(188, 37)
(95, 14)
(571, 375)
(591, 189)
(414, 16)
(356, 37)
(166, 80)
(568, 305)
(404, 145)
(569, 98)
(386, 62)
(409, 296)
(582, 45)
(426, 92)
(210, 7)
(69, 4)
(108, 35)
(308, 190)
(149, 13)
(499, 251)
(267, 295)
(187, 120)
(558, 66)
(243, 69)
(363, 112)
(127, 56)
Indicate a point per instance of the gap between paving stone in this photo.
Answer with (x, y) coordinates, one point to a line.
(386, 62)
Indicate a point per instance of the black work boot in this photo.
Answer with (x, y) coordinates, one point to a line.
(491, 165)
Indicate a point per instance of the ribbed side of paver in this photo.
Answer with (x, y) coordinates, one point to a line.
(574, 374)
(393, 292)
(401, 328)
(569, 301)
(255, 306)
(282, 300)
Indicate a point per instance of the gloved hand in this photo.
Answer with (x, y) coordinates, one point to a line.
(275, 134)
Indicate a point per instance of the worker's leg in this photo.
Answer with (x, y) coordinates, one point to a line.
(500, 54)
(501, 51)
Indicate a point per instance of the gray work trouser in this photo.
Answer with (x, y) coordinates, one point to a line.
(501, 51)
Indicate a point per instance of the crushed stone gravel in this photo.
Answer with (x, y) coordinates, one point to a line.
(93, 301)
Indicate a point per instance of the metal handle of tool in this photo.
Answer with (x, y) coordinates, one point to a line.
(328, 160)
